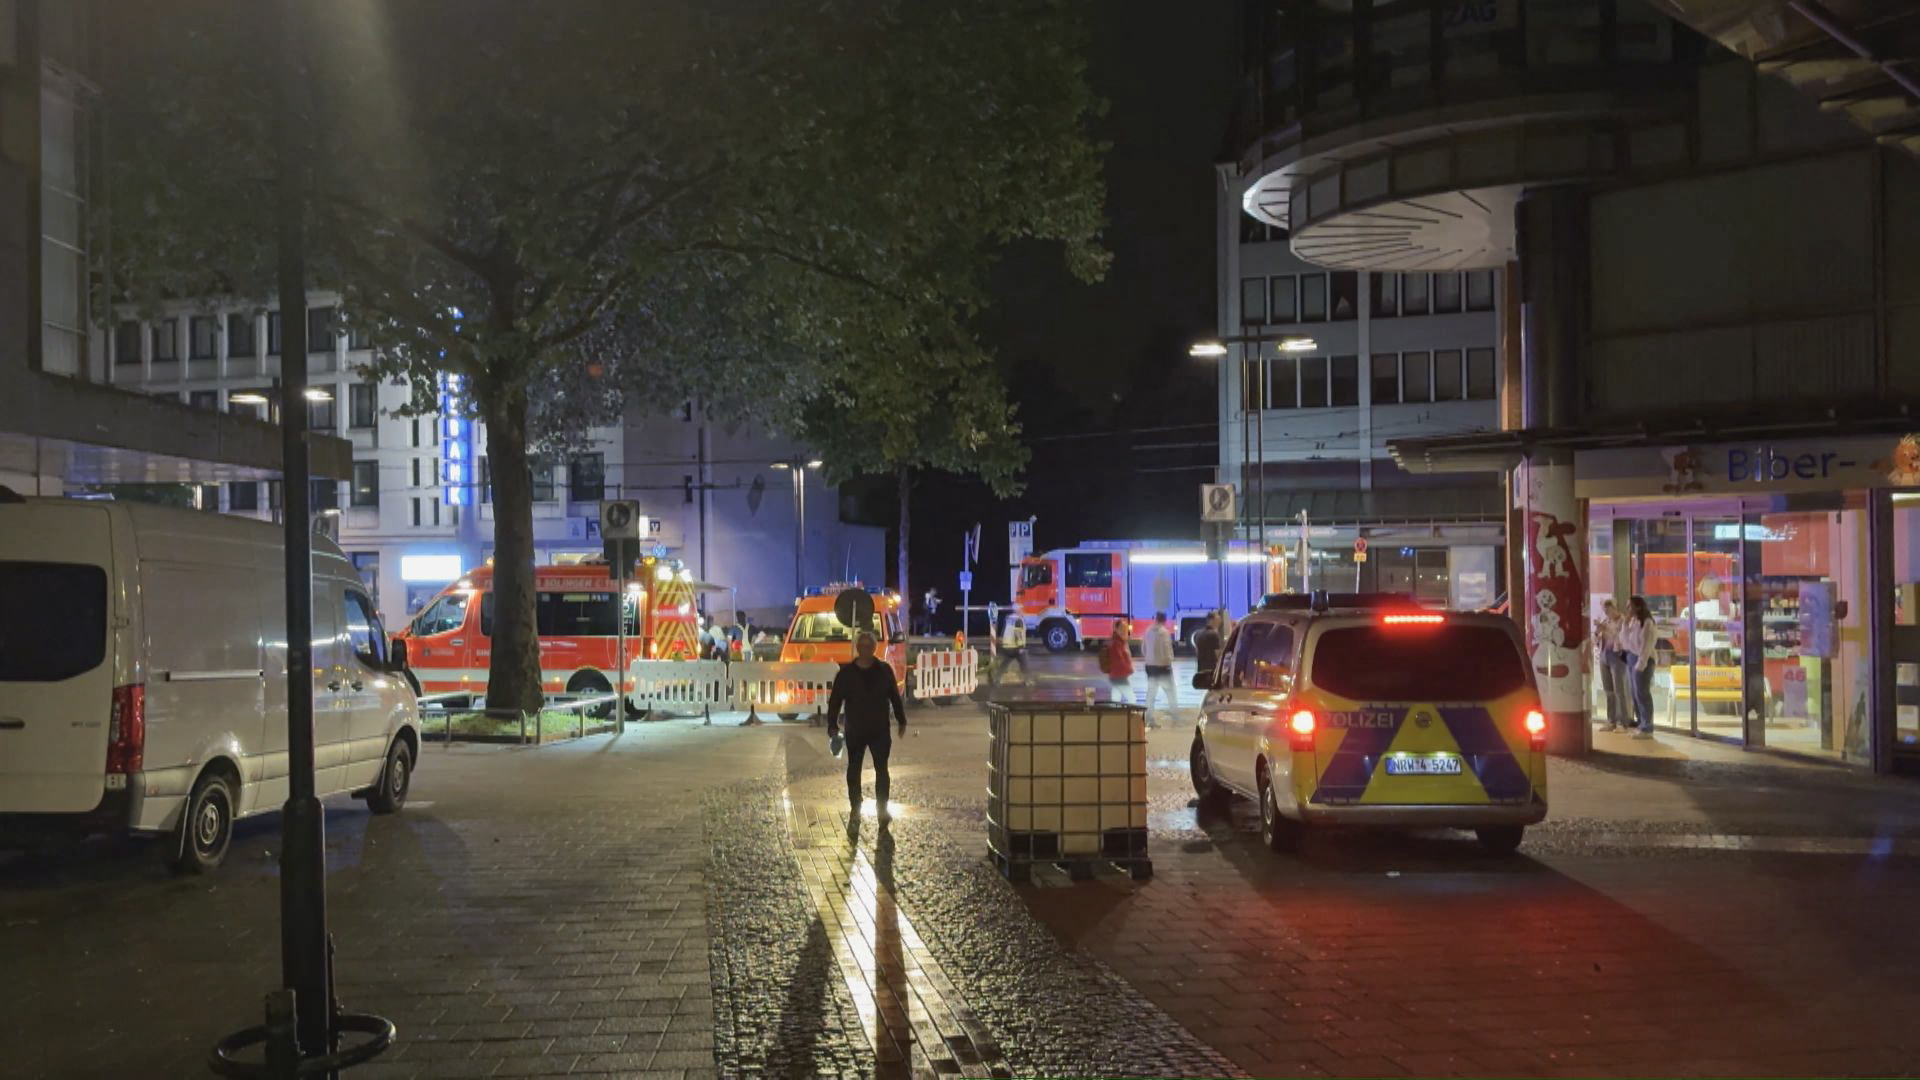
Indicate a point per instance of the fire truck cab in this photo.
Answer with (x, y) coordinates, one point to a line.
(1072, 596)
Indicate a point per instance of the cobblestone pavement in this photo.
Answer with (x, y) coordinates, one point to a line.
(685, 901)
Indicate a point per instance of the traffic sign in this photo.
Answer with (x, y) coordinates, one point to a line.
(1359, 545)
(966, 581)
(1216, 502)
(854, 608)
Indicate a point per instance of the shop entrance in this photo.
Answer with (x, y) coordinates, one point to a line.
(1760, 614)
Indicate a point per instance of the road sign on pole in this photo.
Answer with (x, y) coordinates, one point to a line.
(1217, 502)
(1360, 549)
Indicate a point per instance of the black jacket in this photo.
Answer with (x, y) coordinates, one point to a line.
(1206, 647)
(867, 695)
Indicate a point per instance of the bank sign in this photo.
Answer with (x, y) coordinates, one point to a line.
(1748, 468)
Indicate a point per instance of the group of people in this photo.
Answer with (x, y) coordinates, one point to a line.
(1116, 659)
(1625, 644)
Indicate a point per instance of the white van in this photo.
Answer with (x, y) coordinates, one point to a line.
(143, 676)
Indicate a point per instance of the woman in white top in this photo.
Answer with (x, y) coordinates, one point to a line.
(1614, 679)
(1637, 639)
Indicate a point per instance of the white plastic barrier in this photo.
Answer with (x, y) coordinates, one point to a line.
(945, 673)
(782, 687)
(674, 685)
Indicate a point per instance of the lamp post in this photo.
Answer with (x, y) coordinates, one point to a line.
(1254, 461)
(798, 467)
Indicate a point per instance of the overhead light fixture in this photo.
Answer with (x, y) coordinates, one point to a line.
(315, 393)
(247, 397)
(1298, 344)
(1206, 350)
(780, 465)
(815, 463)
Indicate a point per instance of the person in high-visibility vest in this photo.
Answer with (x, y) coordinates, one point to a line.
(1013, 648)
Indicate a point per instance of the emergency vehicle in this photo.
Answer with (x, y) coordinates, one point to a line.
(1071, 596)
(450, 642)
(817, 635)
(1363, 709)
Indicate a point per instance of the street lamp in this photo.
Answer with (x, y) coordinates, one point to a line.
(798, 467)
(1216, 348)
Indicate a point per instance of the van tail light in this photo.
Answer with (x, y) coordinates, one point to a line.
(1423, 618)
(1300, 728)
(1536, 724)
(127, 730)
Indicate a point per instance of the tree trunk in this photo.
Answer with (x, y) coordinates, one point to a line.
(513, 675)
(905, 477)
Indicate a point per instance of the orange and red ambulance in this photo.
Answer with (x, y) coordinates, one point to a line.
(450, 642)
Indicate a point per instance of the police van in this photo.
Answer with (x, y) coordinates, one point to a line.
(1365, 709)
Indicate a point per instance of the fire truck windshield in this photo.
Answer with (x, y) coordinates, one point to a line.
(823, 626)
(1036, 573)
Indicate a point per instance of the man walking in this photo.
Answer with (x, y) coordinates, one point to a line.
(866, 689)
(1013, 648)
(1156, 653)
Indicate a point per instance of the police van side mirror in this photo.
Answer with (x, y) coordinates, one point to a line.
(397, 655)
(1203, 680)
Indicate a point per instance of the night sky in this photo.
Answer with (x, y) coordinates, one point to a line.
(1093, 366)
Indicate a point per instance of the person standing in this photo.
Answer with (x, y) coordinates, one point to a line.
(1206, 645)
(1613, 671)
(931, 604)
(1637, 639)
(1156, 653)
(1013, 648)
(865, 688)
(1116, 661)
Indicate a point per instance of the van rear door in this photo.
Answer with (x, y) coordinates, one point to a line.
(56, 659)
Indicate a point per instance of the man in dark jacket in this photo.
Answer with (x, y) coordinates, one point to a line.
(866, 689)
(1206, 645)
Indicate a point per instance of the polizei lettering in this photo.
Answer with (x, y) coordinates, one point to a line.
(1364, 718)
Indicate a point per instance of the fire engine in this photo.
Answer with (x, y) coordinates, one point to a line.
(1072, 596)
(450, 642)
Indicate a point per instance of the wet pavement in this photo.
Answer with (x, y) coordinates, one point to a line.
(688, 901)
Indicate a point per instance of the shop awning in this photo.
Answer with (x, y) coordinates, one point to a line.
(1389, 506)
(1499, 451)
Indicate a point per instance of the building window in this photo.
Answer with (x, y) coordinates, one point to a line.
(360, 405)
(1313, 382)
(1413, 294)
(543, 482)
(126, 343)
(243, 495)
(416, 436)
(587, 478)
(1345, 381)
(416, 473)
(1284, 292)
(486, 479)
(1480, 290)
(436, 511)
(1283, 383)
(366, 484)
(1447, 383)
(320, 413)
(204, 399)
(240, 335)
(358, 339)
(203, 334)
(1416, 376)
(1385, 301)
(1346, 295)
(416, 511)
(273, 333)
(1253, 301)
(1313, 297)
(325, 495)
(1481, 384)
(320, 330)
(165, 347)
(1446, 293)
(209, 497)
(1386, 378)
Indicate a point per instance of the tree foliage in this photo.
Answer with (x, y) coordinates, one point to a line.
(586, 205)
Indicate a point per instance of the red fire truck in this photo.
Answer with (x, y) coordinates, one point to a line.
(450, 642)
(1071, 596)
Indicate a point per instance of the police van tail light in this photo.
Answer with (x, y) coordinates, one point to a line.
(1300, 728)
(1413, 618)
(1536, 725)
(127, 730)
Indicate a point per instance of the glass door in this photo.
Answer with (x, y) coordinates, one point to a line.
(1710, 625)
(1661, 577)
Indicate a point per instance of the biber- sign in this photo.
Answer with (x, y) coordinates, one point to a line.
(1837, 464)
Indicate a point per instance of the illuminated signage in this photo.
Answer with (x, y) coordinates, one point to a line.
(429, 567)
(456, 442)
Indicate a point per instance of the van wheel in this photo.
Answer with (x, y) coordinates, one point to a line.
(1204, 784)
(591, 684)
(206, 827)
(390, 794)
(1058, 636)
(1279, 833)
(1501, 839)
